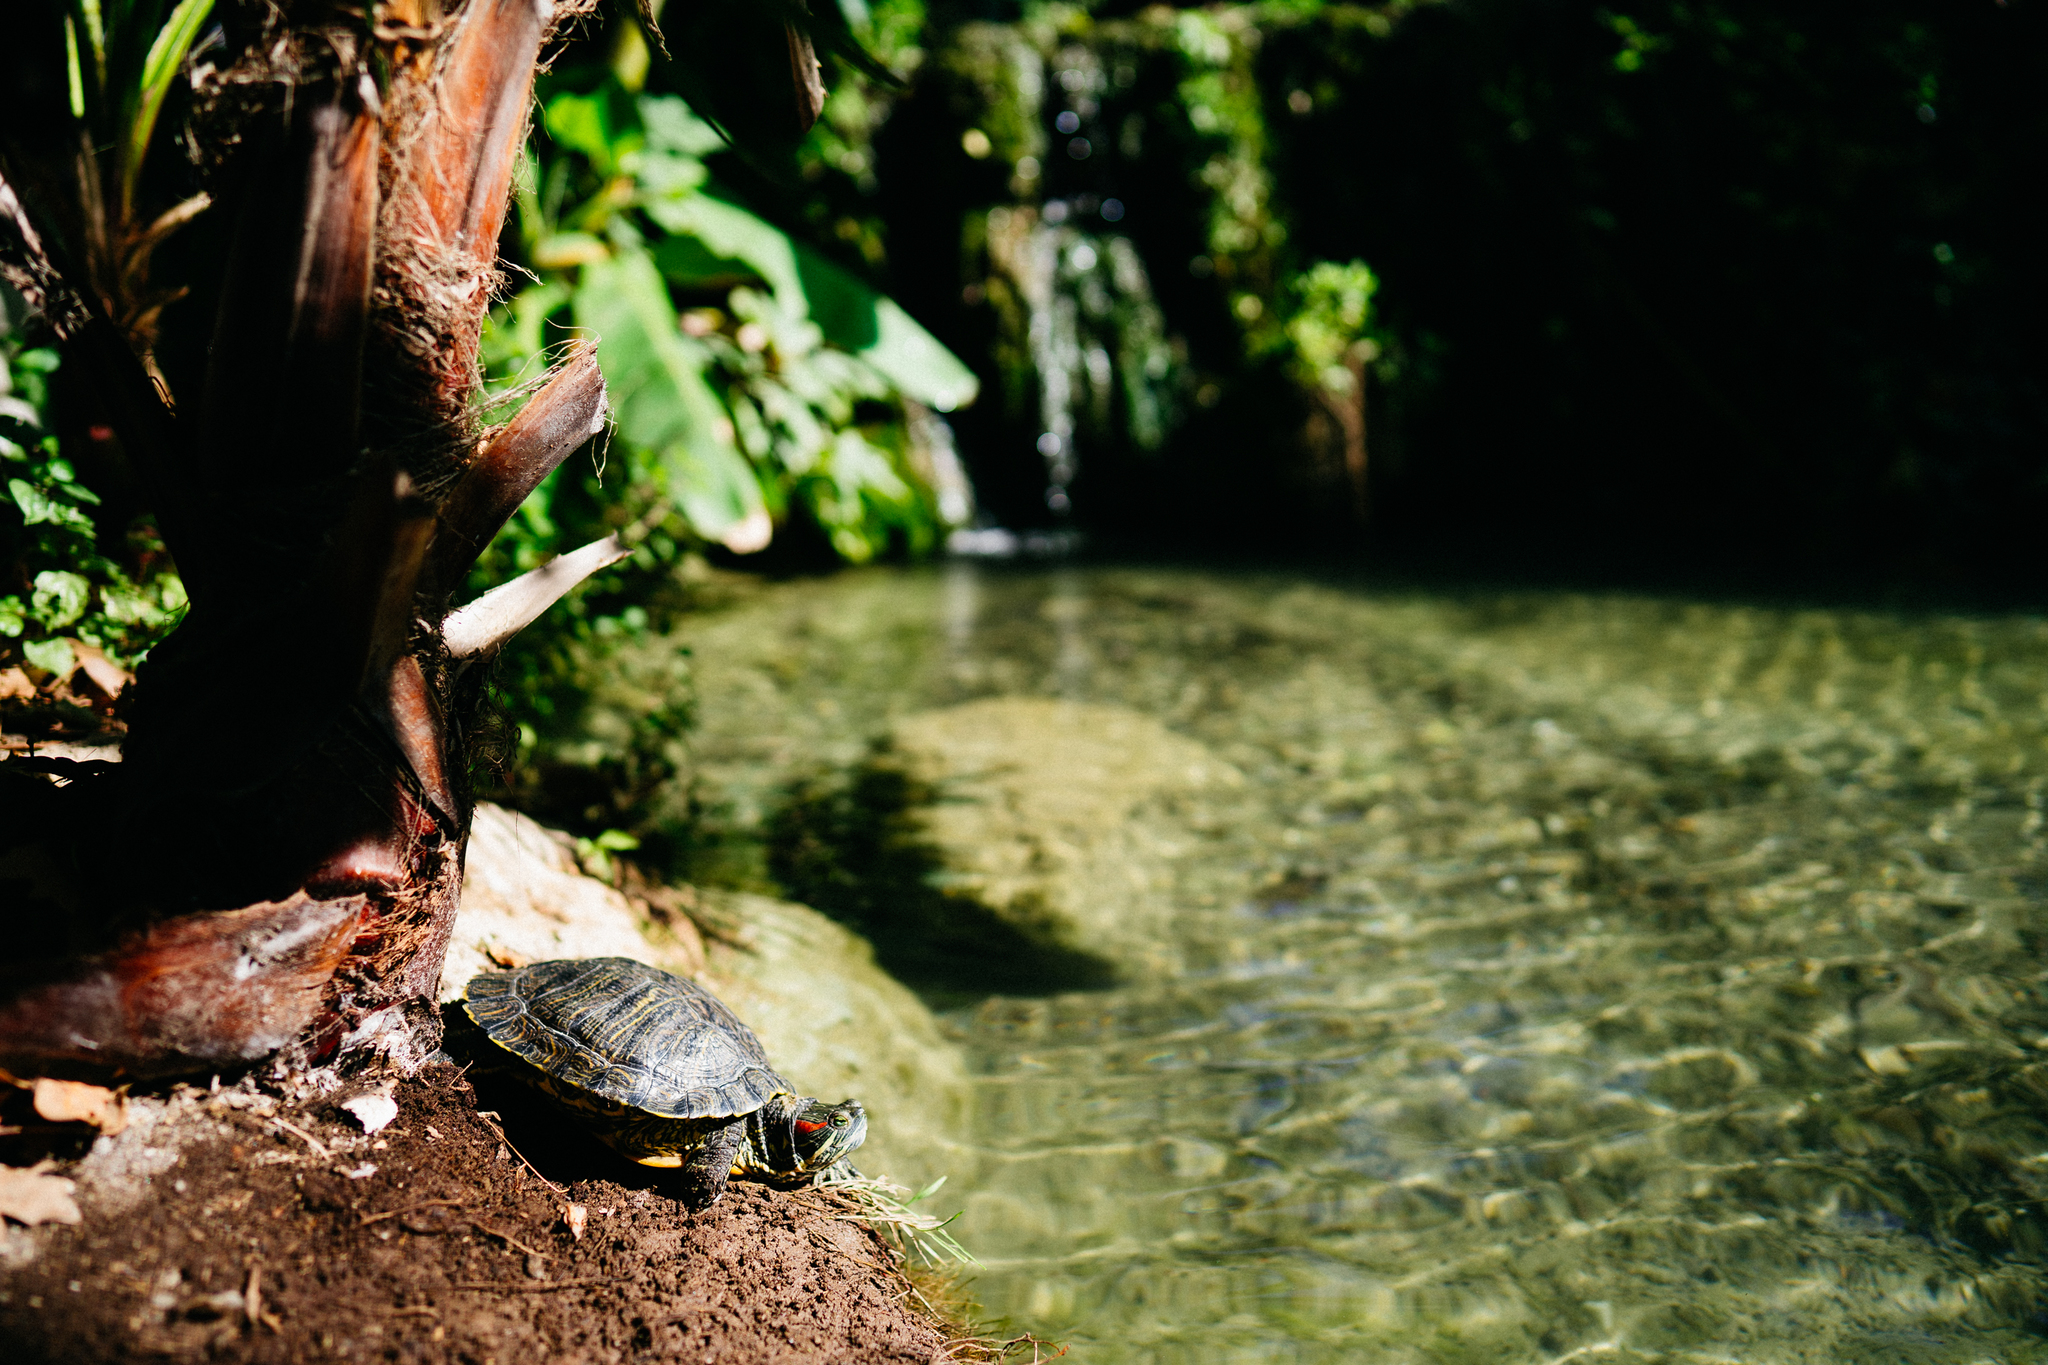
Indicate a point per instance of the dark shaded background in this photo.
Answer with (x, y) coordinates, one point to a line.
(1766, 310)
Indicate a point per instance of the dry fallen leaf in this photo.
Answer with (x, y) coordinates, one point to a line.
(31, 1196)
(108, 676)
(505, 957)
(77, 1102)
(14, 683)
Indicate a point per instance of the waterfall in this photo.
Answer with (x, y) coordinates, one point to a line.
(1092, 333)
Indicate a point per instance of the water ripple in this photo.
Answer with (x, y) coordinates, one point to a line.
(1570, 978)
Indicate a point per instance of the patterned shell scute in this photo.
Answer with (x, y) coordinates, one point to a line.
(627, 1032)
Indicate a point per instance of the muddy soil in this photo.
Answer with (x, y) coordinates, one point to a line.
(245, 1227)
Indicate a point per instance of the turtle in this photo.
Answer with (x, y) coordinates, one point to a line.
(660, 1069)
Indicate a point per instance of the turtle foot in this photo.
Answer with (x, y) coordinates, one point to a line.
(702, 1178)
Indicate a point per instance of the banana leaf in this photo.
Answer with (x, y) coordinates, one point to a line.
(851, 315)
(663, 403)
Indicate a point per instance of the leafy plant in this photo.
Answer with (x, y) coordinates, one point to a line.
(59, 589)
(121, 59)
(1327, 330)
(755, 385)
(1327, 324)
(750, 376)
(1140, 148)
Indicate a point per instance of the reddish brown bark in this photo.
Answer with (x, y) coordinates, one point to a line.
(1349, 410)
(293, 802)
(567, 411)
(181, 992)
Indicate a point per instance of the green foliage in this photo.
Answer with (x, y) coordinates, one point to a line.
(1786, 239)
(121, 59)
(1155, 95)
(160, 67)
(58, 588)
(837, 160)
(750, 376)
(754, 384)
(1219, 90)
(1636, 44)
(65, 579)
(1780, 244)
(1327, 328)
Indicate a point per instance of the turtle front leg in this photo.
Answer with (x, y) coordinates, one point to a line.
(705, 1173)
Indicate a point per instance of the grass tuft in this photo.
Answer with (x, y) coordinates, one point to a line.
(882, 1204)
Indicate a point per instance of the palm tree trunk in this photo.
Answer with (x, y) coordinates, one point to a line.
(274, 867)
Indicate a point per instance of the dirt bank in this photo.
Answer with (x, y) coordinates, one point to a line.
(240, 1226)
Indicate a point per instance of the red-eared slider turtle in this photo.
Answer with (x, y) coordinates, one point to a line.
(663, 1071)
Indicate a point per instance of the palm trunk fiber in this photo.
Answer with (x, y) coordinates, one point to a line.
(274, 867)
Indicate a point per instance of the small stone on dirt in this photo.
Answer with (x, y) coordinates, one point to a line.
(32, 1195)
(374, 1111)
(212, 1307)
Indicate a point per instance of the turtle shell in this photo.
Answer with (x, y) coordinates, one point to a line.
(629, 1033)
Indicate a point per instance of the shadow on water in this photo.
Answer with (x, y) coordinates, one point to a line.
(852, 846)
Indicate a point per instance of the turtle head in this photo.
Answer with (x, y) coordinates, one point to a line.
(823, 1133)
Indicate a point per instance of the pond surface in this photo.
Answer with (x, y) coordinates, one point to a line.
(1568, 977)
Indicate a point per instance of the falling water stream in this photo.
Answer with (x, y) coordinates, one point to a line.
(1568, 977)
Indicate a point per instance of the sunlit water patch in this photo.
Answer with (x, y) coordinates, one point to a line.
(1569, 977)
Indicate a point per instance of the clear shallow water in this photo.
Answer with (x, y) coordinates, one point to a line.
(1572, 977)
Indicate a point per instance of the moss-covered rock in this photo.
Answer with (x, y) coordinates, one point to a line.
(525, 899)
